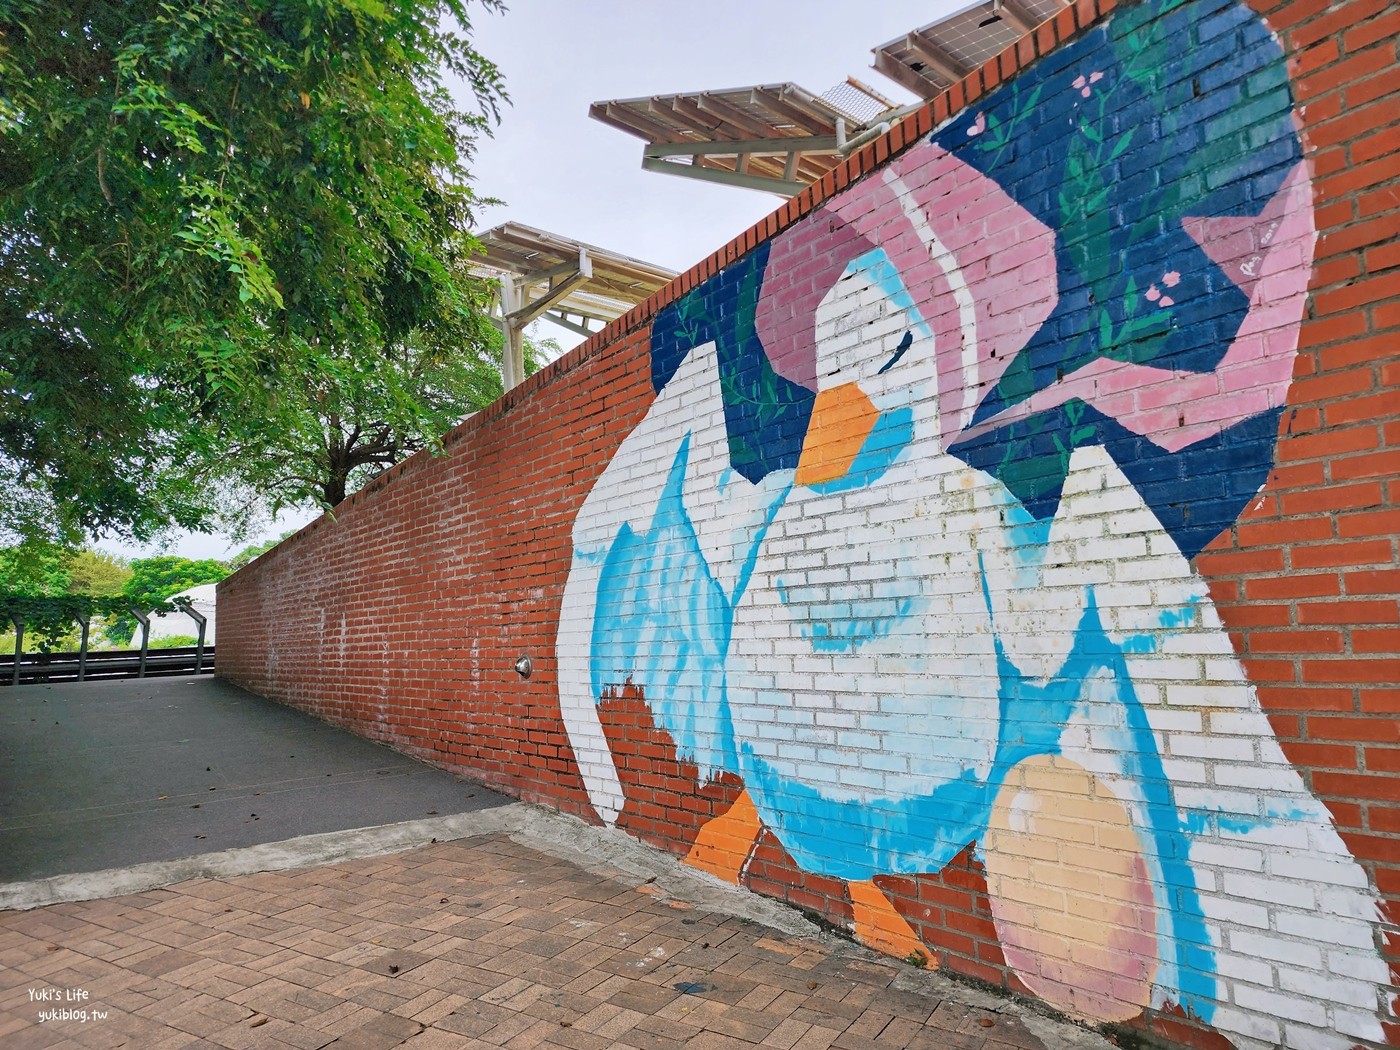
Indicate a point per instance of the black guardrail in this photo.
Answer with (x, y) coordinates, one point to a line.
(59, 613)
(98, 664)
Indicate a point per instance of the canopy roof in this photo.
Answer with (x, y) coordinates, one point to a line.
(781, 137)
(929, 60)
(545, 261)
(776, 137)
(573, 284)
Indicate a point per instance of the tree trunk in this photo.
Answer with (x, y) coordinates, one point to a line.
(333, 491)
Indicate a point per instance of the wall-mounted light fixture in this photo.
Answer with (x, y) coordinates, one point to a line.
(523, 667)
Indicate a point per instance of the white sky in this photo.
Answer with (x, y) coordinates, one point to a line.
(556, 169)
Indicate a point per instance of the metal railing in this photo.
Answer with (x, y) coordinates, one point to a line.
(21, 667)
(99, 664)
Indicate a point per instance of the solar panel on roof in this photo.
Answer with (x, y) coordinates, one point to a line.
(932, 58)
(776, 137)
(568, 282)
(780, 137)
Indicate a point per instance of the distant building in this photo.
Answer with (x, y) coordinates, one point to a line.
(178, 624)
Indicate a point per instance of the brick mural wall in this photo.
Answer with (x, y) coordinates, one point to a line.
(992, 552)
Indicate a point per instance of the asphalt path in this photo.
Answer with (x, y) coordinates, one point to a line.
(102, 775)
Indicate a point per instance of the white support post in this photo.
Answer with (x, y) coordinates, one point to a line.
(512, 332)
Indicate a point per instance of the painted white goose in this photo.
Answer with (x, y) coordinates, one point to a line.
(899, 661)
(868, 580)
(917, 664)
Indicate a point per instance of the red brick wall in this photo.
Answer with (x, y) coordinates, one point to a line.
(1307, 579)
(401, 617)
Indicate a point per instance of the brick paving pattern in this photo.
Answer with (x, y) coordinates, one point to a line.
(473, 943)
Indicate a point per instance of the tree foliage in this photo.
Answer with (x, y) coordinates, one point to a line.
(218, 218)
(38, 569)
(97, 573)
(52, 589)
(41, 569)
(254, 550)
(353, 425)
(153, 580)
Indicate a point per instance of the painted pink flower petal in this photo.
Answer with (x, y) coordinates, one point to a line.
(978, 126)
(1171, 278)
(1087, 92)
(1166, 300)
(1153, 294)
(1095, 77)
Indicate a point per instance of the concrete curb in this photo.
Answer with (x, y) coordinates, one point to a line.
(306, 851)
(600, 850)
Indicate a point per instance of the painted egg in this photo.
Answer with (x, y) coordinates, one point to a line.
(1070, 892)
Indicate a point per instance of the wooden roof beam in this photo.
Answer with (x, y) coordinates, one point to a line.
(686, 111)
(632, 122)
(725, 177)
(701, 124)
(563, 320)
(772, 147)
(1015, 14)
(532, 308)
(921, 84)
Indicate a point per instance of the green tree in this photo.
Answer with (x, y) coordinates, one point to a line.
(349, 426)
(209, 213)
(37, 569)
(156, 579)
(255, 550)
(97, 573)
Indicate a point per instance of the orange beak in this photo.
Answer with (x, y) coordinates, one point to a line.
(842, 419)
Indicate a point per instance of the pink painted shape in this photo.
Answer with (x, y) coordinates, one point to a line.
(1127, 961)
(1005, 256)
(803, 264)
(1270, 257)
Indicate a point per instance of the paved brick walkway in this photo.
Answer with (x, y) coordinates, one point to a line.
(480, 942)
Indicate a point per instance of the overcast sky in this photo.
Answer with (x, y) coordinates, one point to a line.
(556, 169)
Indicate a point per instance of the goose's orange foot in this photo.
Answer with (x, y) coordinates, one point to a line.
(879, 926)
(724, 844)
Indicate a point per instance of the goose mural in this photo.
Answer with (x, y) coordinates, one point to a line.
(904, 543)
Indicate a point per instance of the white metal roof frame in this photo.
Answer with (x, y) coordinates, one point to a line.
(773, 137)
(567, 282)
(931, 59)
